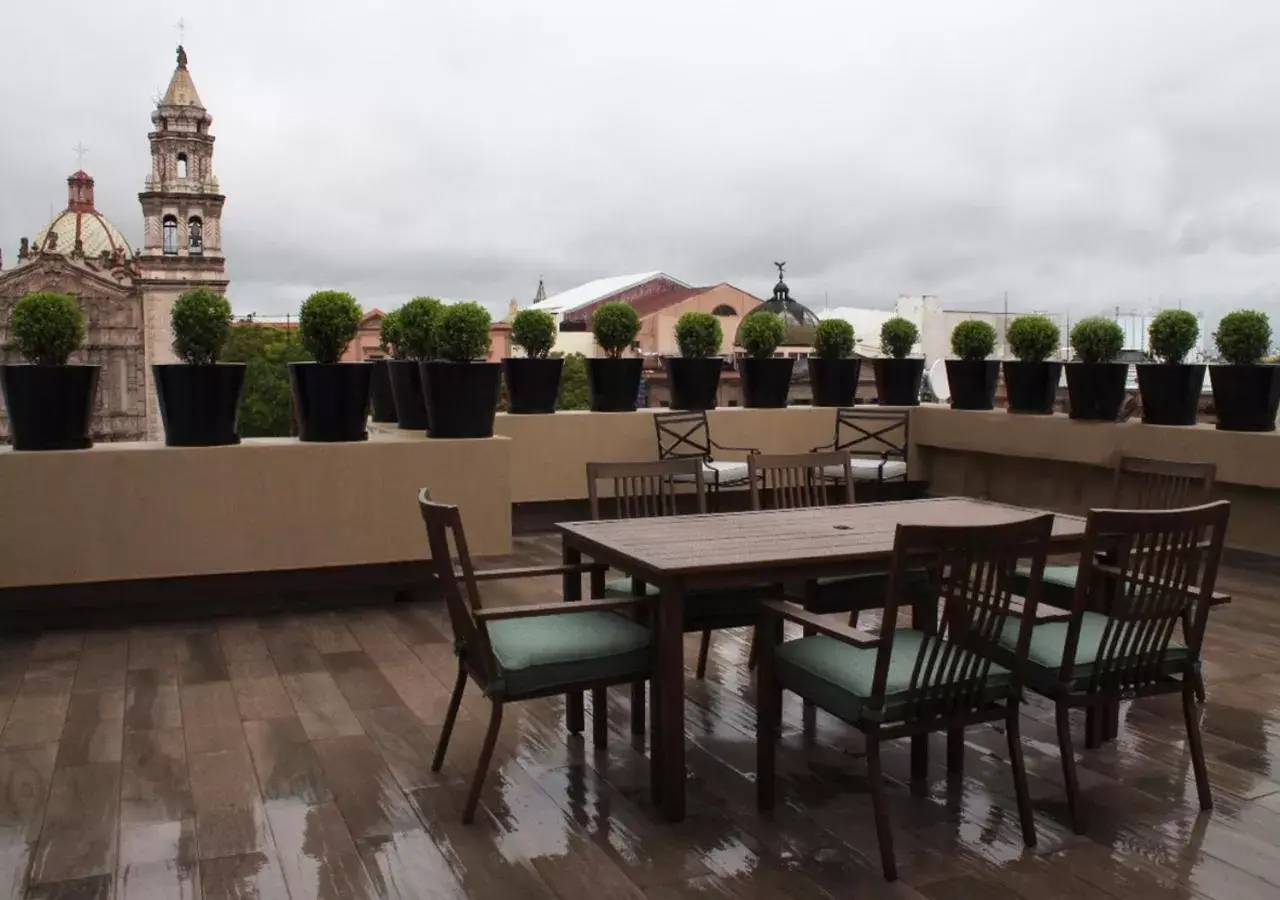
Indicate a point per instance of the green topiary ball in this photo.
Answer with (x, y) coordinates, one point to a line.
(615, 326)
(328, 323)
(201, 323)
(419, 320)
(1173, 334)
(391, 335)
(1243, 337)
(833, 339)
(898, 336)
(760, 334)
(534, 331)
(1033, 338)
(973, 339)
(699, 335)
(463, 332)
(1097, 339)
(47, 327)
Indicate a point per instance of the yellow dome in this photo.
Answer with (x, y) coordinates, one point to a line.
(81, 222)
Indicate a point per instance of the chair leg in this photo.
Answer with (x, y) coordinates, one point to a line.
(1197, 748)
(637, 707)
(482, 767)
(770, 699)
(1197, 681)
(880, 805)
(600, 718)
(919, 757)
(703, 649)
(447, 730)
(1020, 788)
(1067, 752)
(753, 655)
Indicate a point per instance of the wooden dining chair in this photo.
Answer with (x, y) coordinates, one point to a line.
(1140, 483)
(936, 676)
(523, 652)
(1154, 567)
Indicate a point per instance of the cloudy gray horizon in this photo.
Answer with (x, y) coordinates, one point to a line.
(1078, 156)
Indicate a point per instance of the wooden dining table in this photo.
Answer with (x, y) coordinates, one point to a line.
(683, 554)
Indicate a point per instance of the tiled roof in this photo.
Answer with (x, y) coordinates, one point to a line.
(95, 232)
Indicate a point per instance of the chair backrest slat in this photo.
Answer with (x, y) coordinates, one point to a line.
(1141, 483)
(972, 571)
(1153, 562)
(798, 480)
(643, 490)
(682, 435)
(462, 597)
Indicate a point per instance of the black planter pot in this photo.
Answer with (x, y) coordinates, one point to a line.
(532, 384)
(1031, 388)
(1095, 391)
(613, 384)
(331, 400)
(1246, 397)
(406, 388)
(1170, 393)
(898, 381)
(693, 382)
(834, 381)
(973, 383)
(50, 407)
(765, 382)
(462, 398)
(383, 401)
(200, 405)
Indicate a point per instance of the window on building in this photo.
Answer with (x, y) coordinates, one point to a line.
(724, 309)
(171, 234)
(195, 235)
(182, 165)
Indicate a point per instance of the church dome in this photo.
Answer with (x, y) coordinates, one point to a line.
(798, 318)
(81, 226)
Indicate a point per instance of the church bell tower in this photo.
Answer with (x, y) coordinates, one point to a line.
(182, 215)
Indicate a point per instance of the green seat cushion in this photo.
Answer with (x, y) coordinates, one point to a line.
(843, 593)
(838, 676)
(621, 587)
(1049, 640)
(539, 654)
(713, 606)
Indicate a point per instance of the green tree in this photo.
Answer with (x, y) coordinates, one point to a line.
(267, 410)
(573, 383)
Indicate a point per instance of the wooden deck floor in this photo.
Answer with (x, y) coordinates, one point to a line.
(289, 756)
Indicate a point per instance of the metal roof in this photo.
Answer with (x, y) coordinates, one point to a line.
(594, 291)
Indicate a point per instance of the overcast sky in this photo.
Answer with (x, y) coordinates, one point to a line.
(1079, 155)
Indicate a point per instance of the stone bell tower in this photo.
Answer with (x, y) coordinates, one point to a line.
(182, 214)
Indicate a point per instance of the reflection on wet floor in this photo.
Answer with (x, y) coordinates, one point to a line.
(289, 756)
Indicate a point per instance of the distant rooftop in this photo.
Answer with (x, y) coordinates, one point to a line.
(595, 291)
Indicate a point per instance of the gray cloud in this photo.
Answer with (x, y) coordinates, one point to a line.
(1075, 155)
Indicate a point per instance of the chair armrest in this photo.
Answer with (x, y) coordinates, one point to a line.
(558, 609)
(739, 449)
(793, 612)
(533, 571)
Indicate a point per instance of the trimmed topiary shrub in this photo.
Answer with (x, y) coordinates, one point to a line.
(462, 334)
(534, 331)
(391, 335)
(1033, 338)
(760, 334)
(47, 327)
(419, 321)
(615, 326)
(1097, 339)
(201, 323)
(898, 336)
(973, 339)
(1243, 337)
(328, 323)
(1173, 334)
(833, 339)
(698, 335)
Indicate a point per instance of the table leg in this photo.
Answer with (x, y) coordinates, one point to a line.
(571, 556)
(955, 751)
(669, 682)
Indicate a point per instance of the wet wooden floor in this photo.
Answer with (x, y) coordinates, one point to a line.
(288, 757)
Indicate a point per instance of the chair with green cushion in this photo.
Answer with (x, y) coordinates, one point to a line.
(940, 675)
(523, 652)
(1142, 574)
(1140, 483)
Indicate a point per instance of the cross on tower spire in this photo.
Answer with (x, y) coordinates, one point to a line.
(79, 150)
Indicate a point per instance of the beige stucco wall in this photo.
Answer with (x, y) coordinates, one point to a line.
(124, 511)
(1051, 462)
(658, 330)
